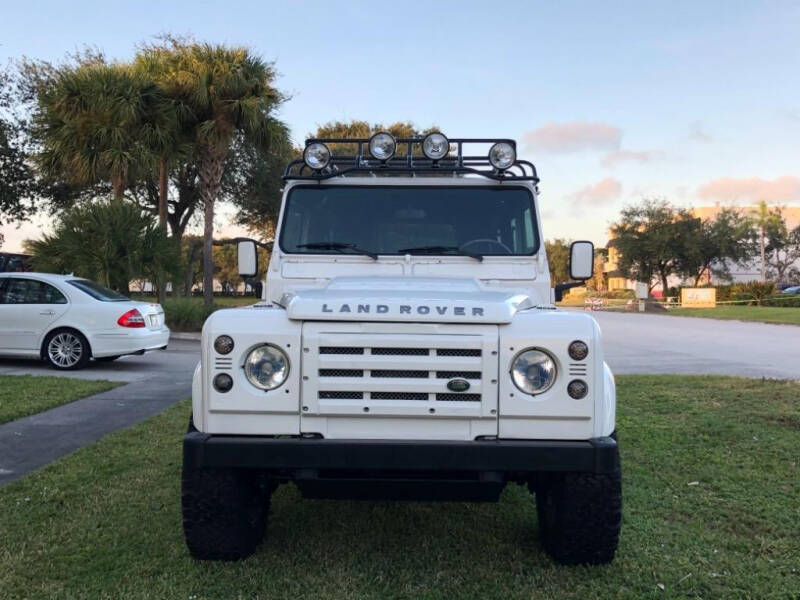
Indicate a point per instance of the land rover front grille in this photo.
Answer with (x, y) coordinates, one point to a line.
(452, 369)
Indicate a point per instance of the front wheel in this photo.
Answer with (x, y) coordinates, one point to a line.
(66, 350)
(580, 516)
(224, 512)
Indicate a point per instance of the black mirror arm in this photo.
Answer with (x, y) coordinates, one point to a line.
(567, 285)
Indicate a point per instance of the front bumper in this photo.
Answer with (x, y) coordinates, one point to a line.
(520, 457)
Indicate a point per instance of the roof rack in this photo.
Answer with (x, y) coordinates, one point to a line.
(411, 162)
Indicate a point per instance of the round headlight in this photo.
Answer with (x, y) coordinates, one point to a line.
(577, 389)
(533, 371)
(317, 156)
(223, 382)
(435, 146)
(382, 146)
(578, 350)
(502, 155)
(223, 344)
(266, 367)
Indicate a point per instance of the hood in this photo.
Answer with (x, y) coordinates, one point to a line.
(439, 300)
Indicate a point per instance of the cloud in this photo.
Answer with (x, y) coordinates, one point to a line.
(601, 193)
(749, 190)
(612, 159)
(698, 134)
(792, 114)
(574, 136)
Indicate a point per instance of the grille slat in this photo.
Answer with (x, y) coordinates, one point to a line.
(340, 350)
(400, 351)
(341, 373)
(458, 352)
(458, 397)
(458, 374)
(399, 374)
(341, 395)
(398, 396)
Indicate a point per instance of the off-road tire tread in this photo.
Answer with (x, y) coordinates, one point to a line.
(580, 516)
(224, 512)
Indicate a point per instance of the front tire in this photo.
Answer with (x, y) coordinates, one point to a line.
(224, 512)
(66, 350)
(580, 516)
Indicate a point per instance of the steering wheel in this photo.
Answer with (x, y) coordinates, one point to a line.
(486, 240)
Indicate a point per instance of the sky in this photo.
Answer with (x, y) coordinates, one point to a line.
(695, 102)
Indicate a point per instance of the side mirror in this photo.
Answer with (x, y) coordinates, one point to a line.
(581, 260)
(248, 258)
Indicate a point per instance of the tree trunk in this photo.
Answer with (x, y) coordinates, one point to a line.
(663, 285)
(163, 190)
(212, 162)
(118, 187)
(763, 258)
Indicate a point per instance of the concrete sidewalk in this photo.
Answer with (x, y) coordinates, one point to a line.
(157, 380)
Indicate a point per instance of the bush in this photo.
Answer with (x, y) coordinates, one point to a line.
(787, 300)
(755, 291)
(186, 314)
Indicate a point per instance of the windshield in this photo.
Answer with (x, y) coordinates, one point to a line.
(468, 220)
(97, 291)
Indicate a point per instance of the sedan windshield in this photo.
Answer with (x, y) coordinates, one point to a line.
(473, 221)
(97, 291)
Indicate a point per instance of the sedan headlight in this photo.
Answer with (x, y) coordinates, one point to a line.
(266, 367)
(533, 371)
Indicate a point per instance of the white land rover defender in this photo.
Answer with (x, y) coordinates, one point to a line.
(407, 347)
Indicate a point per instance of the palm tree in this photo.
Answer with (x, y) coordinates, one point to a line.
(763, 219)
(100, 122)
(221, 92)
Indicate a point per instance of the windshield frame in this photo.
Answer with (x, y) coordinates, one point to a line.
(537, 245)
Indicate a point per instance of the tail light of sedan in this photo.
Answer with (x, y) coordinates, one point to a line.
(132, 318)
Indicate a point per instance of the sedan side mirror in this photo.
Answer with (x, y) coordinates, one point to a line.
(581, 260)
(248, 258)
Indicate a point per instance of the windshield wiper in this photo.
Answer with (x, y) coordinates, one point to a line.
(441, 250)
(339, 246)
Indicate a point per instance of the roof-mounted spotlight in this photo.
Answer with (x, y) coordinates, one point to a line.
(317, 156)
(435, 146)
(502, 155)
(382, 146)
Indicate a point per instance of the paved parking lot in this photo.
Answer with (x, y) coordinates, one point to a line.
(157, 380)
(653, 343)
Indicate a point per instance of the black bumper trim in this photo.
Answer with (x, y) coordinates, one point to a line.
(597, 455)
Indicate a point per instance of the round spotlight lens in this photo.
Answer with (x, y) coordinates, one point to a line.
(502, 155)
(317, 156)
(223, 344)
(382, 146)
(578, 350)
(435, 146)
(577, 389)
(223, 382)
(533, 371)
(266, 367)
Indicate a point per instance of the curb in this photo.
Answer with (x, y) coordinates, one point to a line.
(184, 335)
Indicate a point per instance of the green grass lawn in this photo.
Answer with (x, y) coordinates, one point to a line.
(764, 314)
(23, 395)
(710, 510)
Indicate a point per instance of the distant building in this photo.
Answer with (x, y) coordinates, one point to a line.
(740, 273)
